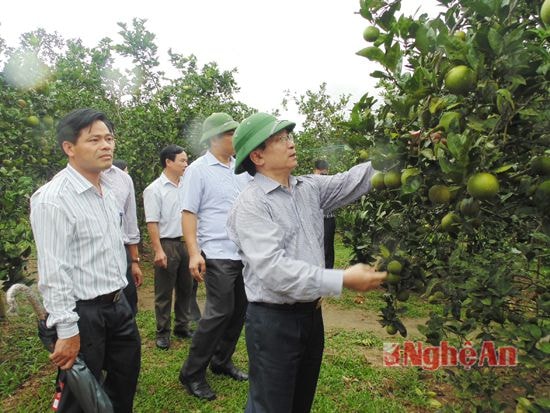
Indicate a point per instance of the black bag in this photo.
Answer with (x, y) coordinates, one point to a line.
(76, 389)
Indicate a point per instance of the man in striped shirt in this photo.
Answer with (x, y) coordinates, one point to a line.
(82, 262)
(277, 224)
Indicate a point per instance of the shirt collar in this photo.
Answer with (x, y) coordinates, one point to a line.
(164, 180)
(80, 183)
(212, 160)
(269, 185)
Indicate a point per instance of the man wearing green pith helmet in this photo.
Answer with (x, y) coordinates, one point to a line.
(277, 224)
(210, 188)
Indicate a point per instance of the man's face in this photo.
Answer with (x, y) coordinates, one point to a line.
(225, 143)
(280, 152)
(93, 150)
(320, 171)
(178, 165)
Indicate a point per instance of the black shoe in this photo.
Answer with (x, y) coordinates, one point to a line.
(163, 343)
(184, 333)
(198, 387)
(230, 371)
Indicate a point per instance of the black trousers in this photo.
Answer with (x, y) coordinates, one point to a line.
(110, 342)
(285, 349)
(130, 291)
(222, 320)
(176, 277)
(330, 229)
(195, 311)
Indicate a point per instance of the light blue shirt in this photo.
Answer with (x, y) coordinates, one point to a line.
(79, 245)
(279, 232)
(209, 190)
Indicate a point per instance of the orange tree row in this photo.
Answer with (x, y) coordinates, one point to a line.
(461, 213)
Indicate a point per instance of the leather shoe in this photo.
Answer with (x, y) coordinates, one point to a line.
(230, 371)
(163, 343)
(198, 388)
(184, 333)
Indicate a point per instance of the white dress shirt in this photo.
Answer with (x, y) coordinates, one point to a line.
(162, 201)
(79, 244)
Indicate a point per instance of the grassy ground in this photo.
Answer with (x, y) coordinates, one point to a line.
(352, 377)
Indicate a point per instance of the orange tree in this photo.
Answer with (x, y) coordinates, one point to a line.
(47, 76)
(461, 213)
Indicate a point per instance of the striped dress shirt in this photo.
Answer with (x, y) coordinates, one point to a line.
(279, 233)
(122, 186)
(79, 245)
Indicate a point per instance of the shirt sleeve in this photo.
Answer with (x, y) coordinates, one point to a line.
(261, 243)
(192, 190)
(132, 229)
(341, 189)
(53, 232)
(151, 204)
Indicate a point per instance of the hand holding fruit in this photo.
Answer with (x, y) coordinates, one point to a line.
(363, 277)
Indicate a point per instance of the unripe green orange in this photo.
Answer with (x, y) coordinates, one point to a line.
(460, 35)
(542, 195)
(483, 186)
(460, 80)
(541, 165)
(377, 181)
(393, 278)
(439, 194)
(545, 12)
(33, 121)
(469, 207)
(395, 267)
(391, 329)
(392, 179)
(371, 33)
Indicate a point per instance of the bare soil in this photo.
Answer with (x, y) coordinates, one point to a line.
(335, 318)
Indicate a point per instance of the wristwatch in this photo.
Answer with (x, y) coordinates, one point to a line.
(136, 260)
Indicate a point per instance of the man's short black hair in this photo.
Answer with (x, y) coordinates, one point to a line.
(321, 164)
(170, 152)
(69, 128)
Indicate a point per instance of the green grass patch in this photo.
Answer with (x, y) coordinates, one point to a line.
(352, 378)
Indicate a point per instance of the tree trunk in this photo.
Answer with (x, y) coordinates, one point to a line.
(2, 306)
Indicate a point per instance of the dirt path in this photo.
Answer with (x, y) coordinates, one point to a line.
(334, 317)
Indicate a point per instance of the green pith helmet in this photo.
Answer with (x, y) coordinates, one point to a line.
(253, 131)
(216, 124)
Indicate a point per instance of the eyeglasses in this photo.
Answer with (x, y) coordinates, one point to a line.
(283, 136)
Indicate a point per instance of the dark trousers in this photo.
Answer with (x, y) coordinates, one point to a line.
(285, 349)
(176, 277)
(193, 305)
(130, 291)
(110, 341)
(222, 320)
(330, 229)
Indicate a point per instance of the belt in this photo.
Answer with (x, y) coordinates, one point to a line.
(105, 298)
(178, 239)
(296, 307)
